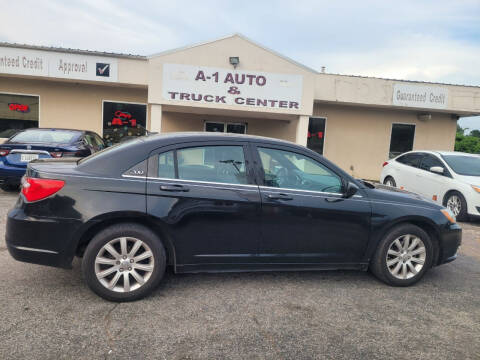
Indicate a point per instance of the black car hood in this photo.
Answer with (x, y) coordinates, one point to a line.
(387, 193)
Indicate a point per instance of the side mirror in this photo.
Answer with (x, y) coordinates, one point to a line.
(350, 190)
(437, 170)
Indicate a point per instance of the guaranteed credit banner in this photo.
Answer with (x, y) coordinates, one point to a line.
(208, 85)
(429, 97)
(55, 64)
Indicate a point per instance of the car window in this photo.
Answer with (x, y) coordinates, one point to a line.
(411, 159)
(224, 164)
(98, 141)
(45, 136)
(166, 165)
(429, 161)
(289, 170)
(89, 140)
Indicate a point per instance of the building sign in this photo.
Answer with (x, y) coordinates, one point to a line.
(420, 96)
(19, 107)
(55, 64)
(207, 85)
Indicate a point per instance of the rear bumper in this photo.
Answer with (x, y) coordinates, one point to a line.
(11, 174)
(450, 241)
(44, 241)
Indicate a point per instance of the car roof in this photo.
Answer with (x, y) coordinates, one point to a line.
(440, 152)
(206, 136)
(54, 129)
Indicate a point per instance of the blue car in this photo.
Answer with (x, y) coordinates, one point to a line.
(32, 144)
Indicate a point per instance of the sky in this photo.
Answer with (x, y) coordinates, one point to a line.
(437, 41)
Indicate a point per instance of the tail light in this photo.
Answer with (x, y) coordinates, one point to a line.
(58, 154)
(385, 163)
(35, 189)
(4, 152)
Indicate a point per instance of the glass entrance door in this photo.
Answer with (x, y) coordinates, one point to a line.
(316, 134)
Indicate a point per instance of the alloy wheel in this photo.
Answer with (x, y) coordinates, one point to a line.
(406, 256)
(389, 183)
(454, 204)
(124, 264)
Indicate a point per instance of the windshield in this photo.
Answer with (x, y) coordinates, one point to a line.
(464, 165)
(46, 136)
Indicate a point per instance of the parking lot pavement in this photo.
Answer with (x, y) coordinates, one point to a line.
(49, 313)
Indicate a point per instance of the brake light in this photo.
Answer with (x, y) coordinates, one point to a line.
(35, 189)
(4, 152)
(72, 154)
(385, 163)
(56, 154)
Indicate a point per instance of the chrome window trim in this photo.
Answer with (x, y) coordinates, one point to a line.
(292, 191)
(196, 181)
(313, 192)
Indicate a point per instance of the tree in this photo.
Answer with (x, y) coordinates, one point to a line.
(475, 133)
(467, 143)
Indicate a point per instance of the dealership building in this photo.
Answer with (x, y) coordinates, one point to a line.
(229, 85)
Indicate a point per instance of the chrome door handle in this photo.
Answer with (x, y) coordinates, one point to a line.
(173, 188)
(279, 197)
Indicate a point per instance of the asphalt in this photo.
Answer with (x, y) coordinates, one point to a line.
(49, 313)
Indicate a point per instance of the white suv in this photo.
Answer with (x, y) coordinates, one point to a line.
(448, 178)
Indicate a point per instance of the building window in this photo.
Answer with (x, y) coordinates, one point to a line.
(316, 134)
(122, 121)
(17, 112)
(235, 128)
(402, 139)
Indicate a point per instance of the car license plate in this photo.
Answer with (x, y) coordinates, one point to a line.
(28, 157)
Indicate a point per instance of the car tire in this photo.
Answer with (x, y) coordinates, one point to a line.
(457, 200)
(389, 181)
(399, 266)
(129, 272)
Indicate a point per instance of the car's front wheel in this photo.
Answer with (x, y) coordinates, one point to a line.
(403, 256)
(457, 204)
(124, 262)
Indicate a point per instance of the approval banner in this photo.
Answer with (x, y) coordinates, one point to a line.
(55, 64)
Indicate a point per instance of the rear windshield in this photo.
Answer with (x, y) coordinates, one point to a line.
(46, 136)
(464, 165)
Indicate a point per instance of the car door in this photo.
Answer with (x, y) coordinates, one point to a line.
(204, 196)
(305, 218)
(407, 171)
(432, 185)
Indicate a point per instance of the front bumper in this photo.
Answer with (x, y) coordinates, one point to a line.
(45, 241)
(450, 240)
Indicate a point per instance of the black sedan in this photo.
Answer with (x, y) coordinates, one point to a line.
(31, 144)
(203, 202)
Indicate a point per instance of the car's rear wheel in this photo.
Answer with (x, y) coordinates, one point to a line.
(124, 262)
(457, 205)
(389, 181)
(403, 256)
